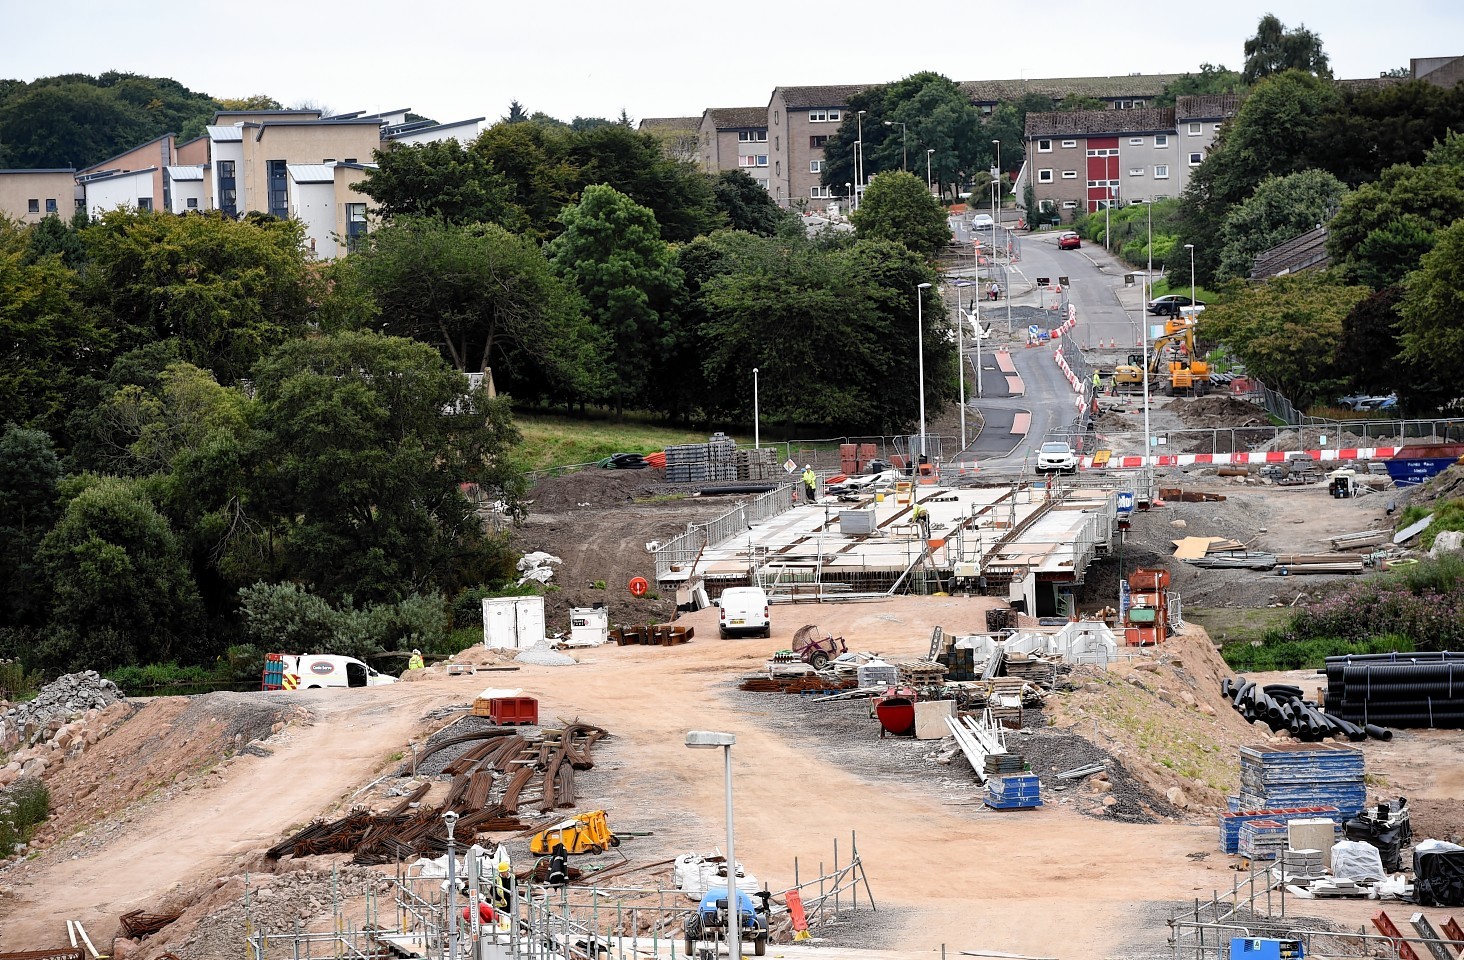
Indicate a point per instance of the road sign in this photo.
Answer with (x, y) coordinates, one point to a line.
(1043, 281)
(1033, 330)
(1062, 281)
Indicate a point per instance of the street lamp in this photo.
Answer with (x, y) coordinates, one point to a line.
(928, 154)
(903, 155)
(859, 124)
(857, 144)
(995, 187)
(450, 818)
(707, 740)
(1191, 248)
(756, 432)
(920, 335)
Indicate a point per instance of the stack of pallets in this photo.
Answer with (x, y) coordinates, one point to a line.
(1302, 775)
(1262, 839)
(687, 463)
(921, 673)
(1232, 822)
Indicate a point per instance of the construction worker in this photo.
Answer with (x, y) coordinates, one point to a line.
(810, 483)
(558, 866)
(416, 663)
(921, 516)
(1097, 382)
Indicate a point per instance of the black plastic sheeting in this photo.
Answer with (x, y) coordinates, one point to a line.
(1399, 690)
(1438, 879)
(1282, 706)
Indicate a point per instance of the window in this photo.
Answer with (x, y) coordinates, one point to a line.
(144, 203)
(833, 116)
(1070, 204)
(1196, 159)
(1044, 146)
(80, 203)
(1104, 152)
(815, 143)
(1161, 171)
(1044, 176)
(279, 189)
(747, 161)
(228, 189)
(815, 166)
(51, 205)
(192, 203)
(1136, 171)
(778, 168)
(1128, 104)
(762, 160)
(33, 206)
(1069, 144)
(821, 193)
(752, 136)
(1136, 141)
(1161, 140)
(1216, 128)
(822, 116)
(1194, 129)
(1070, 174)
(777, 117)
(349, 160)
(355, 224)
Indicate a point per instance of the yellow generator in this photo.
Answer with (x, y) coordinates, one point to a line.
(586, 833)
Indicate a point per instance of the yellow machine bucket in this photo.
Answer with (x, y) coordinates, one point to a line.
(586, 833)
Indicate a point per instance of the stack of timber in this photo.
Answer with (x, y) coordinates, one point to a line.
(920, 673)
(1353, 542)
(1294, 563)
(655, 635)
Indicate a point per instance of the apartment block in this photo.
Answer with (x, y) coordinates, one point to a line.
(802, 121)
(32, 195)
(736, 138)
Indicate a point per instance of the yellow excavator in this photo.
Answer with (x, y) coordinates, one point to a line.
(1173, 364)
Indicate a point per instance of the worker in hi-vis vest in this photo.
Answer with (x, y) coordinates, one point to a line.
(415, 663)
(810, 482)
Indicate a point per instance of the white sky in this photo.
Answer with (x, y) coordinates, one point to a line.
(657, 58)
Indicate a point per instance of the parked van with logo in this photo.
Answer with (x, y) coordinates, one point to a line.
(307, 671)
(744, 611)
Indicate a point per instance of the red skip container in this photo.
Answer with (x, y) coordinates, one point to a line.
(511, 711)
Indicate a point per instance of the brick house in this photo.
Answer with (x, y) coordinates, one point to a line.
(801, 121)
(735, 138)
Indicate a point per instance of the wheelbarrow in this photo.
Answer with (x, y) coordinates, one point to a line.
(816, 648)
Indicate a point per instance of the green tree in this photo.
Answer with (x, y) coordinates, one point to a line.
(1274, 49)
(121, 592)
(534, 159)
(1384, 228)
(1286, 331)
(52, 236)
(1372, 128)
(1433, 311)
(1211, 80)
(1008, 123)
(30, 478)
(1370, 351)
(898, 207)
(442, 179)
(1281, 208)
(227, 291)
(488, 301)
(937, 115)
(612, 249)
(746, 205)
(516, 113)
(678, 195)
(366, 443)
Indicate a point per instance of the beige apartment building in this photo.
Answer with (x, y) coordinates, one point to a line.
(268, 148)
(736, 138)
(32, 195)
(801, 121)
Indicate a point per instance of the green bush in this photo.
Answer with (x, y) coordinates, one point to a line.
(23, 805)
(15, 683)
(1278, 653)
(287, 618)
(1447, 515)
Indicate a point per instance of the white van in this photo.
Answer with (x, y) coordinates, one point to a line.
(744, 610)
(307, 671)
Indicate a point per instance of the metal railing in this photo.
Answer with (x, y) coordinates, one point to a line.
(687, 547)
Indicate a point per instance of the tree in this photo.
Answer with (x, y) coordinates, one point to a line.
(677, 194)
(1286, 331)
(1370, 352)
(30, 480)
(534, 159)
(226, 290)
(1008, 123)
(612, 249)
(1372, 128)
(487, 300)
(256, 101)
(898, 207)
(1384, 228)
(1281, 208)
(1433, 311)
(366, 441)
(121, 592)
(516, 113)
(50, 236)
(746, 205)
(442, 179)
(1211, 80)
(1274, 49)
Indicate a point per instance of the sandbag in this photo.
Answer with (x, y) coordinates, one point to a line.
(1357, 860)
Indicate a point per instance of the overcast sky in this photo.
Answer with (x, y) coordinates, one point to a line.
(659, 58)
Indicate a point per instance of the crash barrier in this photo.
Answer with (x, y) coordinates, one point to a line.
(1260, 456)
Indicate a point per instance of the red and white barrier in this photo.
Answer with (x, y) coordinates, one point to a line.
(1269, 456)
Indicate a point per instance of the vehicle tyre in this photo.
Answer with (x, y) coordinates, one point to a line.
(690, 947)
(760, 945)
(819, 660)
(614, 840)
(313, 686)
(722, 632)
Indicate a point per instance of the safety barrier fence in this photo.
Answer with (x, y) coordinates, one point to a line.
(685, 549)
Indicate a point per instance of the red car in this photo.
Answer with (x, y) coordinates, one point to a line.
(1069, 241)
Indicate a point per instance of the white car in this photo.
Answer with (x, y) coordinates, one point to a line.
(744, 611)
(982, 221)
(1056, 456)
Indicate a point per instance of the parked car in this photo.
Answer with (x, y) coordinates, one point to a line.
(1170, 304)
(1056, 456)
(982, 221)
(1377, 403)
(1069, 241)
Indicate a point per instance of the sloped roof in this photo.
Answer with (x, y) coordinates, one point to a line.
(674, 123)
(311, 172)
(38, 170)
(104, 163)
(1307, 251)
(264, 113)
(185, 173)
(1091, 123)
(220, 134)
(1104, 88)
(731, 118)
(1207, 107)
(797, 98)
(115, 175)
(424, 126)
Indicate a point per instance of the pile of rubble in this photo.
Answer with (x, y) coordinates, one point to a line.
(63, 720)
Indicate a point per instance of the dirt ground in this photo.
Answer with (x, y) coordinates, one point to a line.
(944, 869)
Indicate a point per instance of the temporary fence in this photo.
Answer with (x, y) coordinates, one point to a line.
(684, 549)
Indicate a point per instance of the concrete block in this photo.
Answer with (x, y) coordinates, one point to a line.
(930, 719)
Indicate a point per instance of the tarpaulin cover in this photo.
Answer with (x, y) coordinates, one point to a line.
(1438, 878)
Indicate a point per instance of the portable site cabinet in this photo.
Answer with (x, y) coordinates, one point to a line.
(589, 625)
(513, 622)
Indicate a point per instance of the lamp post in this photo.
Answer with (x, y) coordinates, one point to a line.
(920, 353)
(1148, 275)
(756, 430)
(707, 740)
(928, 184)
(904, 156)
(1191, 248)
(859, 133)
(450, 818)
(995, 187)
(857, 145)
(849, 195)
